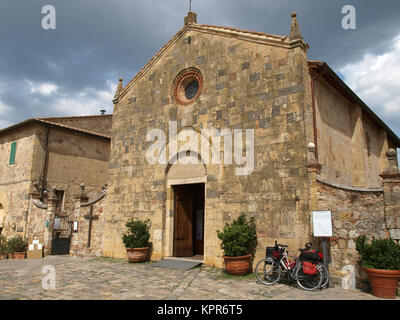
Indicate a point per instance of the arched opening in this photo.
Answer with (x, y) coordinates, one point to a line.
(186, 207)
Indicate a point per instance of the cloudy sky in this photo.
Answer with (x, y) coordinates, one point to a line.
(73, 70)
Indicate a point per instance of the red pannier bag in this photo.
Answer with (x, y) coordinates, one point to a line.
(277, 255)
(309, 268)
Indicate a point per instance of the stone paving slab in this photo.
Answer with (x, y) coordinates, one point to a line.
(114, 279)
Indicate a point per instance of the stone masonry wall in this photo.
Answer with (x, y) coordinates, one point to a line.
(79, 239)
(247, 85)
(15, 180)
(351, 149)
(354, 213)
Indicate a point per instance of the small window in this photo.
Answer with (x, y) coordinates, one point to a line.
(191, 90)
(187, 86)
(12, 153)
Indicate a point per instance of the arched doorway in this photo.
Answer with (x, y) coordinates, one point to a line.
(185, 223)
(188, 220)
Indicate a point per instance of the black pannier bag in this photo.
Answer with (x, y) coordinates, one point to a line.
(272, 253)
(310, 255)
(269, 252)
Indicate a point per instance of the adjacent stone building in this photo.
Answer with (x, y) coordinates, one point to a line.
(317, 146)
(43, 162)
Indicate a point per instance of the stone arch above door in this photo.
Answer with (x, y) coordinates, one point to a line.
(187, 172)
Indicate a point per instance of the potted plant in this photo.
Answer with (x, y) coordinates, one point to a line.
(17, 247)
(238, 240)
(3, 248)
(380, 259)
(136, 239)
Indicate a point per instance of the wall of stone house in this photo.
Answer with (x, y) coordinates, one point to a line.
(15, 180)
(351, 148)
(354, 213)
(73, 158)
(37, 219)
(79, 240)
(246, 86)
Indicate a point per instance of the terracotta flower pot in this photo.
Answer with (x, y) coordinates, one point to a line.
(384, 283)
(137, 254)
(237, 266)
(17, 255)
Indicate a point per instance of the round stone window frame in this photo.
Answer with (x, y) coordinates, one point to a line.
(183, 79)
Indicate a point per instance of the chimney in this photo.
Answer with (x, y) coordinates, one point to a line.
(102, 112)
(191, 18)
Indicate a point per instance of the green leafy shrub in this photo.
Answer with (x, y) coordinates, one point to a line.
(137, 235)
(17, 244)
(381, 254)
(3, 245)
(239, 238)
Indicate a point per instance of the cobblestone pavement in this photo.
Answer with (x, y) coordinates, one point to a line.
(103, 278)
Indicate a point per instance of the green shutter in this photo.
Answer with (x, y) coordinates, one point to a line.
(12, 153)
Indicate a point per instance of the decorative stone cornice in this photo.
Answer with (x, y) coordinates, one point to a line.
(314, 167)
(390, 176)
(348, 188)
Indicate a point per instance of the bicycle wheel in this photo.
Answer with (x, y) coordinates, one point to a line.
(268, 272)
(325, 272)
(309, 282)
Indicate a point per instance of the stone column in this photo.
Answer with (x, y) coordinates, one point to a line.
(76, 246)
(391, 195)
(50, 213)
(313, 169)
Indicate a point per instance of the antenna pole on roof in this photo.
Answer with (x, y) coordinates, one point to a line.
(190, 5)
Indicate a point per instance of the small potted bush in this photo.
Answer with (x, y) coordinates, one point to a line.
(3, 248)
(380, 260)
(238, 240)
(136, 239)
(17, 247)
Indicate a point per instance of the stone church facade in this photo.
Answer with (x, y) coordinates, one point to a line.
(317, 146)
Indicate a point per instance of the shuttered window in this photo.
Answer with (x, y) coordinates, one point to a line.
(12, 153)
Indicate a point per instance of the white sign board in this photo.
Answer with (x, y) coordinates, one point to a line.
(322, 223)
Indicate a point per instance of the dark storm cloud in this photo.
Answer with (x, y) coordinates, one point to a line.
(100, 40)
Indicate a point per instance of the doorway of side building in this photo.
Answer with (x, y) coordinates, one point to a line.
(189, 220)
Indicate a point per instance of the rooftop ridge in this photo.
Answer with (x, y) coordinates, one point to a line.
(47, 122)
(243, 31)
(73, 128)
(334, 80)
(74, 117)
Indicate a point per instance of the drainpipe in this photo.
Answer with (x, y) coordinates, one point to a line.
(45, 165)
(314, 112)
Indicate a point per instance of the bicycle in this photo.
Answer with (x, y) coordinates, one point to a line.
(270, 269)
(320, 265)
